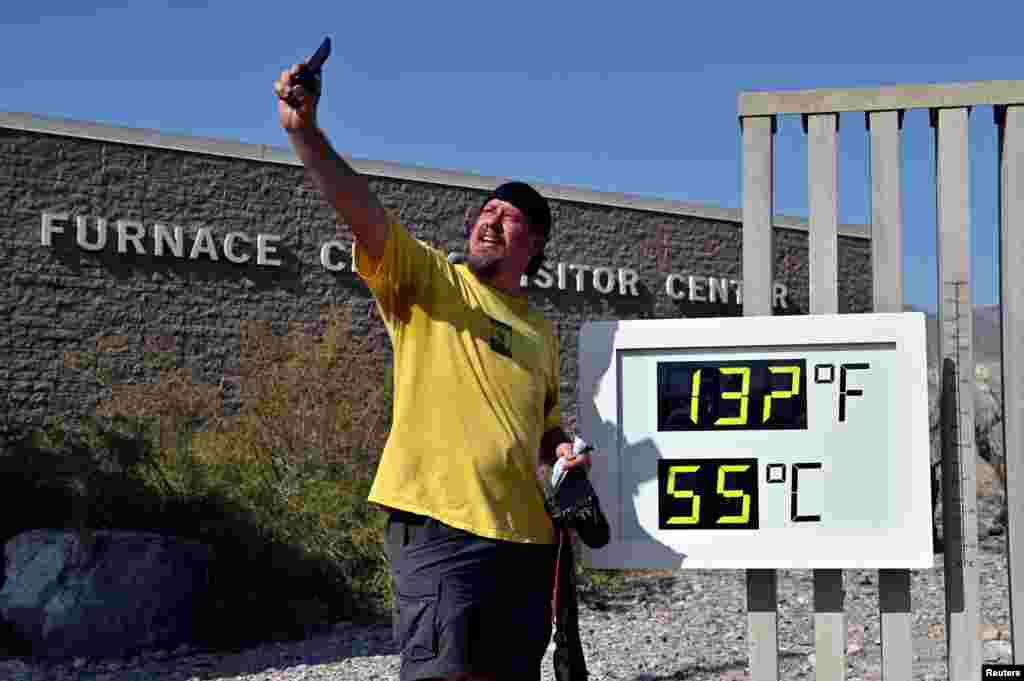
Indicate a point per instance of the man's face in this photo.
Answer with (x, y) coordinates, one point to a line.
(501, 240)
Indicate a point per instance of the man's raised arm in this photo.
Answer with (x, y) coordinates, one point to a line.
(342, 187)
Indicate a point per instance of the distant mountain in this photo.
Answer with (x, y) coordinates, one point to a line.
(987, 334)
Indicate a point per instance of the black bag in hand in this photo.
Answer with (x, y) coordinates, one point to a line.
(574, 504)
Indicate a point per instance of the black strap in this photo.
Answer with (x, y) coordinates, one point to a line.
(568, 659)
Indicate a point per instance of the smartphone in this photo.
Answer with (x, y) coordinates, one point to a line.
(308, 75)
(316, 62)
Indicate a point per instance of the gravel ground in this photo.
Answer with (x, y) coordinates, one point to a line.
(686, 625)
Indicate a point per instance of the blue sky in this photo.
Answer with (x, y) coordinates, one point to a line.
(629, 97)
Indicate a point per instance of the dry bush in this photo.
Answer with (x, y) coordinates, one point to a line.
(316, 395)
(319, 391)
(296, 459)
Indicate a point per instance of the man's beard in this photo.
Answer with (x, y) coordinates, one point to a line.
(483, 266)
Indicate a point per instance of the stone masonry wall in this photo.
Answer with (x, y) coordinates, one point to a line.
(72, 322)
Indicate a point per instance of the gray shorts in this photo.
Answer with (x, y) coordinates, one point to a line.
(465, 603)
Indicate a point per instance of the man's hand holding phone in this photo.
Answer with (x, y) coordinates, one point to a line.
(298, 90)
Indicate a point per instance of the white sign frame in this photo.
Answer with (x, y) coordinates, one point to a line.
(602, 346)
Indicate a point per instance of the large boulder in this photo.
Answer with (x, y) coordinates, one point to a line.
(112, 595)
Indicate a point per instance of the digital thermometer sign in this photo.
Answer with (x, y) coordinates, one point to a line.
(805, 447)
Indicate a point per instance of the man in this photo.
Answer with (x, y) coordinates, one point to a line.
(476, 410)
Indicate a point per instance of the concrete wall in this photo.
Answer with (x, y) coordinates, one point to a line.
(61, 301)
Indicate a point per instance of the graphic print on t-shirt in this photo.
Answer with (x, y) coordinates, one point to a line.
(501, 337)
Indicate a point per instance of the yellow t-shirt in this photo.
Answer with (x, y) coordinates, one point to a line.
(475, 388)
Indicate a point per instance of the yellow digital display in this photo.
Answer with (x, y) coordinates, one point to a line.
(767, 394)
(707, 494)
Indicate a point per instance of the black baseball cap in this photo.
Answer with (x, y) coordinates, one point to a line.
(527, 199)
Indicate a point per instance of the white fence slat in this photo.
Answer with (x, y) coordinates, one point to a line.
(823, 209)
(887, 271)
(1011, 218)
(762, 595)
(952, 179)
